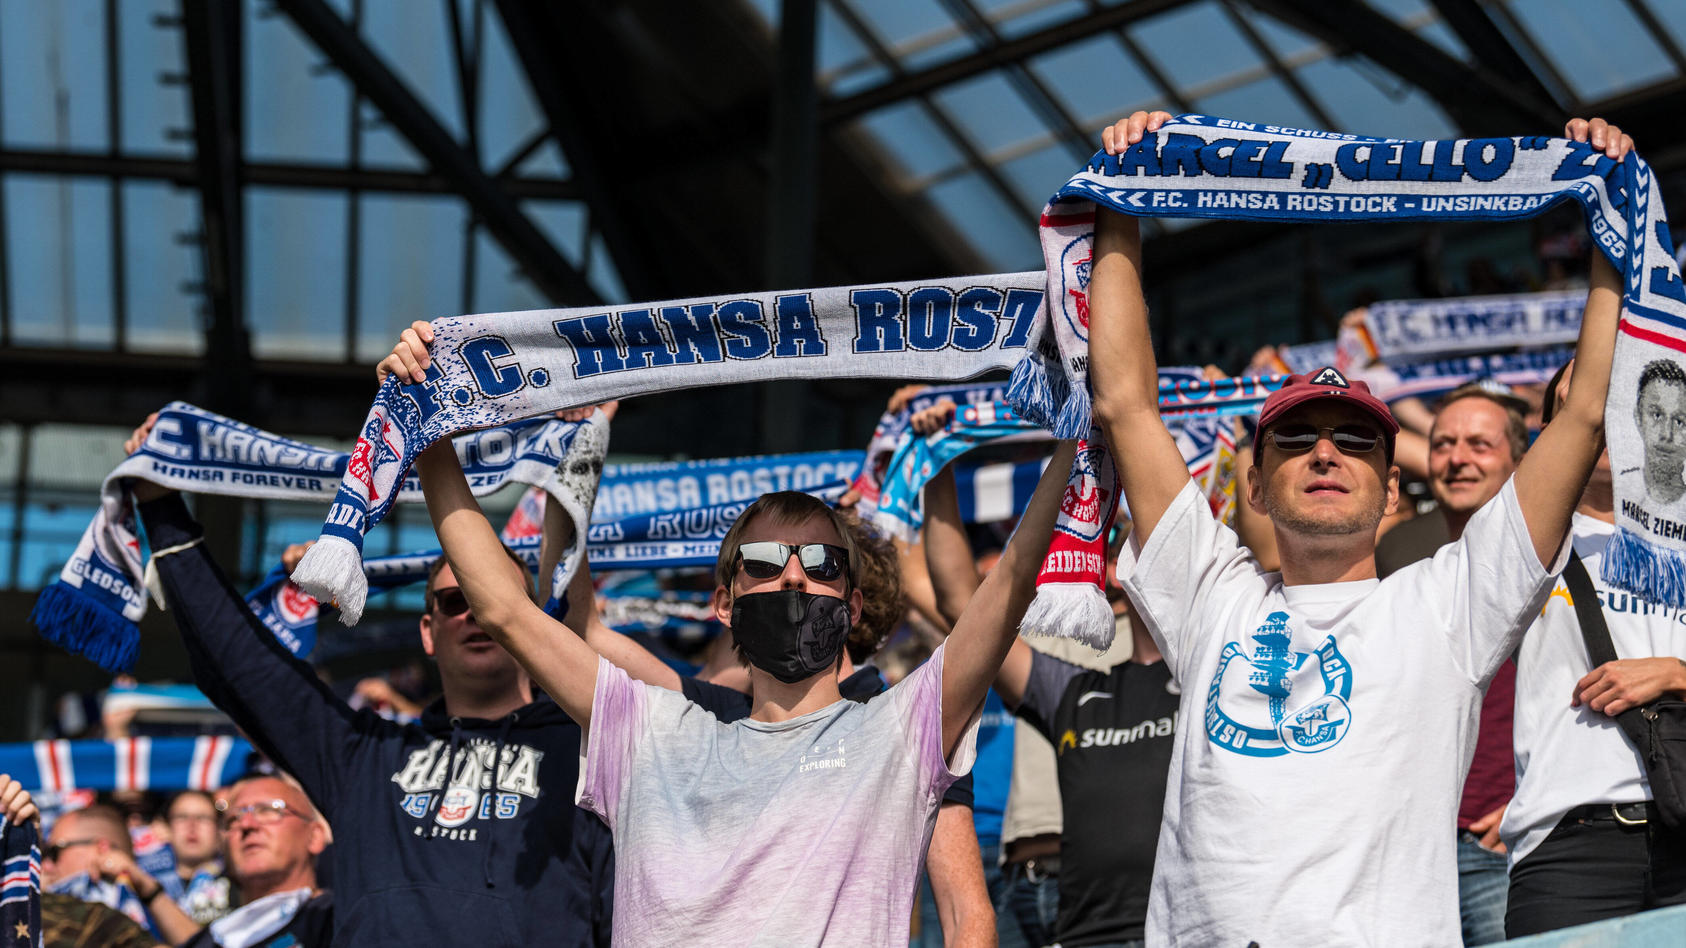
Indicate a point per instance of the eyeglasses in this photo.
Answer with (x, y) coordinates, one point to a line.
(1349, 439)
(450, 601)
(766, 559)
(54, 850)
(266, 813)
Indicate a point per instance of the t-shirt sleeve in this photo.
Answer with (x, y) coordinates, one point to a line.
(1491, 584)
(618, 708)
(1190, 564)
(918, 702)
(1049, 678)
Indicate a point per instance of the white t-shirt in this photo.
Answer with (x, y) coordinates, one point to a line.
(1569, 756)
(1314, 803)
(810, 831)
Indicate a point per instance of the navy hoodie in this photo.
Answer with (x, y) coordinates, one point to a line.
(492, 856)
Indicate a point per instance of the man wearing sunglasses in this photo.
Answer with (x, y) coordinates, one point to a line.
(1330, 715)
(457, 829)
(807, 822)
(273, 837)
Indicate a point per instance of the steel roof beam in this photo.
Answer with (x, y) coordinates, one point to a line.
(1478, 100)
(541, 262)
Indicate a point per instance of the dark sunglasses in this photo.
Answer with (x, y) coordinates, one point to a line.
(450, 601)
(54, 850)
(1349, 439)
(821, 561)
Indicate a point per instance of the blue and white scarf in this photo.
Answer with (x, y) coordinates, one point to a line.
(163, 764)
(111, 894)
(630, 490)
(20, 884)
(94, 606)
(1200, 166)
(497, 368)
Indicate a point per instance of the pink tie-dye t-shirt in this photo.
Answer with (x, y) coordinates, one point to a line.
(810, 831)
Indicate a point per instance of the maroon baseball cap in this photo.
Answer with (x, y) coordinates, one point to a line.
(1328, 382)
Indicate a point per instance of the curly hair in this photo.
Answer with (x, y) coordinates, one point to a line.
(883, 603)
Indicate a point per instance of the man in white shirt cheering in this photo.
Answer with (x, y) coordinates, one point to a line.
(1336, 712)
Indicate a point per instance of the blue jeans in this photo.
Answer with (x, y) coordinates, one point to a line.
(1024, 912)
(1482, 887)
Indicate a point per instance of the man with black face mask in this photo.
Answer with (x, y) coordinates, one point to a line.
(805, 823)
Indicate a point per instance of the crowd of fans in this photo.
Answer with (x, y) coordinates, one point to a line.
(868, 717)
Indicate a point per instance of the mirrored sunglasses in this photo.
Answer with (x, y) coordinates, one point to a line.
(767, 559)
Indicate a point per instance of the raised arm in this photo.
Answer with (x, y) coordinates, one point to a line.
(563, 665)
(1122, 370)
(1554, 471)
(955, 576)
(988, 628)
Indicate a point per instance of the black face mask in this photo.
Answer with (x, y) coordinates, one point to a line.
(790, 634)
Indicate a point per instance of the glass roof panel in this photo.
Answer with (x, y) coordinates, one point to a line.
(546, 160)
(292, 112)
(499, 286)
(291, 232)
(564, 222)
(1070, 71)
(418, 277)
(414, 40)
(603, 275)
(1672, 15)
(990, 111)
(1579, 38)
(58, 239)
(1421, 18)
(919, 32)
(1265, 100)
(997, 231)
(1285, 41)
(1038, 175)
(162, 311)
(906, 133)
(1013, 18)
(52, 70)
(1365, 99)
(509, 116)
(1196, 44)
(149, 107)
(842, 61)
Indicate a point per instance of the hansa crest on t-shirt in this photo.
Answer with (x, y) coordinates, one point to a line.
(1268, 699)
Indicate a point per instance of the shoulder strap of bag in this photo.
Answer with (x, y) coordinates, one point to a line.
(1596, 633)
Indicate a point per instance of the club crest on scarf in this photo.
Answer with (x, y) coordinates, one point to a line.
(1279, 700)
(1085, 498)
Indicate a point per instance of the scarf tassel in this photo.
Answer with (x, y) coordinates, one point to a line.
(82, 627)
(332, 571)
(1076, 611)
(1631, 563)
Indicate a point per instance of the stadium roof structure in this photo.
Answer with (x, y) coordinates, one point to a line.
(241, 202)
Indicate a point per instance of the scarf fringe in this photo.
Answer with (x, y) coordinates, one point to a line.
(1660, 573)
(1029, 393)
(82, 627)
(1073, 420)
(332, 571)
(1077, 611)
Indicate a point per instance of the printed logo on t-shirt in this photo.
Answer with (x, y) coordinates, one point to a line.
(1285, 700)
(820, 757)
(473, 789)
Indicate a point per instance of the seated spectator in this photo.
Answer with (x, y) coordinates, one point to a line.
(67, 921)
(90, 855)
(273, 837)
(199, 885)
